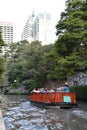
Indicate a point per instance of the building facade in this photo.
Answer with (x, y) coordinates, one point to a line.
(6, 30)
(42, 28)
(38, 28)
(27, 33)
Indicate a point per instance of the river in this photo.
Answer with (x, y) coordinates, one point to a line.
(20, 114)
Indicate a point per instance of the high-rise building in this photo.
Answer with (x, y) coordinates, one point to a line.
(27, 33)
(6, 29)
(38, 28)
(42, 28)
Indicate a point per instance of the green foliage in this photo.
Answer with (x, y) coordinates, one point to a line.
(80, 91)
(35, 84)
(1, 65)
(2, 60)
(29, 67)
(6, 91)
(71, 32)
(32, 64)
(51, 59)
(1, 42)
(72, 28)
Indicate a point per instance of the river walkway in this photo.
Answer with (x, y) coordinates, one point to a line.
(2, 125)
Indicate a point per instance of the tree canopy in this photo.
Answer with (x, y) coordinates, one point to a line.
(71, 32)
(29, 67)
(32, 64)
(1, 57)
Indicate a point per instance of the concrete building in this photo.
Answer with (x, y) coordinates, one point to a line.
(7, 33)
(6, 29)
(42, 28)
(38, 28)
(27, 33)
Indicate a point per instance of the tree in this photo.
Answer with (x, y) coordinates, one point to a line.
(1, 57)
(71, 32)
(14, 56)
(29, 67)
(72, 28)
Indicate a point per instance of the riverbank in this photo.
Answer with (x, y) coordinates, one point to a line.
(2, 102)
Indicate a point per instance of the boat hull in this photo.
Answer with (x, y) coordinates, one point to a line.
(54, 105)
(54, 100)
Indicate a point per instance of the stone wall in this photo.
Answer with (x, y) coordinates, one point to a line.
(79, 79)
(19, 90)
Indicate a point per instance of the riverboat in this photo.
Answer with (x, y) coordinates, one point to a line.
(54, 99)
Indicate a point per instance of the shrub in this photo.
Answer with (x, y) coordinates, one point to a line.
(81, 92)
(6, 91)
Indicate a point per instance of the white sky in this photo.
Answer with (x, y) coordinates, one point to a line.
(17, 12)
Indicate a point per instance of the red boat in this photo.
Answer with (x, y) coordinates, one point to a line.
(54, 99)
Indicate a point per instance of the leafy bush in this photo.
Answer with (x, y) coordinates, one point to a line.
(6, 91)
(81, 92)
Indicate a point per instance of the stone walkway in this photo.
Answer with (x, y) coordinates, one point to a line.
(2, 125)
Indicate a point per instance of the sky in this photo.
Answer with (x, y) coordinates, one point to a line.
(18, 11)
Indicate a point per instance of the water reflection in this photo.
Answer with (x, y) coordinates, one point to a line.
(22, 115)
